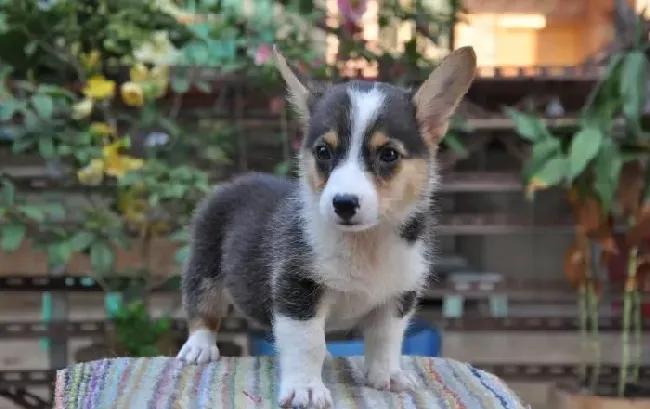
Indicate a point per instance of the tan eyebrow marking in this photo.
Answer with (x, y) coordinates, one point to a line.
(332, 139)
(380, 139)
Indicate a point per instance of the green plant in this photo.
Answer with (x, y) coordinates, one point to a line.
(603, 165)
(109, 131)
(137, 332)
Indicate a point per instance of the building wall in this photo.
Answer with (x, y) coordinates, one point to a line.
(535, 32)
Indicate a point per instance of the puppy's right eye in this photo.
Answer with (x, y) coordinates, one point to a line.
(322, 152)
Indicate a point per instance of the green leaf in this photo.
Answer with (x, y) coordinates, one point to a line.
(553, 171)
(4, 27)
(33, 212)
(541, 152)
(45, 147)
(216, 154)
(633, 84)
(282, 168)
(54, 210)
(584, 147)
(31, 120)
(606, 82)
(7, 110)
(607, 170)
(81, 241)
(180, 83)
(55, 91)
(30, 47)
(21, 145)
(180, 235)
(8, 194)
(12, 236)
(528, 126)
(162, 325)
(453, 142)
(122, 241)
(459, 123)
(58, 254)
(43, 105)
(181, 254)
(101, 257)
(175, 191)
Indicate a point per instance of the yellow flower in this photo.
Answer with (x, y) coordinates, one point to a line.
(118, 165)
(153, 81)
(82, 109)
(135, 210)
(112, 150)
(99, 88)
(93, 174)
(101, 128)
(132, 94)
(139, 73)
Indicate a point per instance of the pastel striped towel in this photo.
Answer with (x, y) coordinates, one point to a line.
(247, 383)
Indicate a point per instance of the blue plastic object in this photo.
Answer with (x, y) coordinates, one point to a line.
(420, 339)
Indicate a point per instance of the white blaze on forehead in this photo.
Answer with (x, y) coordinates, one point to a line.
(349, 177)
(364, 109)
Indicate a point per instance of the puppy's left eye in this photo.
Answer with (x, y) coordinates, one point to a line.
(388, 154)
(323, 152)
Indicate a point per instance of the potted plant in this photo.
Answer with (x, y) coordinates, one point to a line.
(604, 168)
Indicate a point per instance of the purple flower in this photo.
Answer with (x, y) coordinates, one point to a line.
(263, 54)
(352, 10)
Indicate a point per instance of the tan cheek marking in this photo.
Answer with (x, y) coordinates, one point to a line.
(332, 139)
(404, 187)
(314, 177)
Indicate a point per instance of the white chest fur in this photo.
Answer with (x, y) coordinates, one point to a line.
(365, 269)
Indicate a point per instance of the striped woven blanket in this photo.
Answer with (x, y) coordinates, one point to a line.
(247, 383)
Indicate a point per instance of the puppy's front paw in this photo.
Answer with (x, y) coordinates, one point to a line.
(396, 381)
(302, 395)
(199, 348)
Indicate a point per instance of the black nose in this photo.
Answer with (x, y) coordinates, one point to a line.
(345, 206)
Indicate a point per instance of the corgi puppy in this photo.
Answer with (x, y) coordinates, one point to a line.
(349, 244)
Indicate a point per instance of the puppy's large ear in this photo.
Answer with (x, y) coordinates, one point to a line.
(298, 87)
(437, 98)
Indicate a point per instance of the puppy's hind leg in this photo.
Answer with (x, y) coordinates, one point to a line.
(202, 282)
(204, 308)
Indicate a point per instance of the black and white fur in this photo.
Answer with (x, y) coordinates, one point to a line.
(349, 244)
